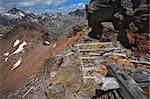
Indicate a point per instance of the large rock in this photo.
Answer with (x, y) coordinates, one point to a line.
(126, 16)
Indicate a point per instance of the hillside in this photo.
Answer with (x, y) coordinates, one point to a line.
(28, 39)
(74, 55)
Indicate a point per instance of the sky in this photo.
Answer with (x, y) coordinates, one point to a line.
(43, 6)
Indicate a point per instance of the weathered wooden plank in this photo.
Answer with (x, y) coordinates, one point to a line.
(141, 77)
(84, 44)
(144, 84)
(107, 49)
(92, 57)
(129, 89)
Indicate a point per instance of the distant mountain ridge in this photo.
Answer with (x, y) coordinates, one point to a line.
(50, 21)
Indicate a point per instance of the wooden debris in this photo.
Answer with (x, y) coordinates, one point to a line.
(140, 62)
(129, 89)
(27, 91)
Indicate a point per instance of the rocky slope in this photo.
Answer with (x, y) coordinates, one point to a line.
(26, 40)
(30, 67)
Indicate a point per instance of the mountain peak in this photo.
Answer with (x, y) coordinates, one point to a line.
(78, 12)
(15, 10)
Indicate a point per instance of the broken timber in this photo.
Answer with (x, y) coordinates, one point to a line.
(83, 48)
(129, 89)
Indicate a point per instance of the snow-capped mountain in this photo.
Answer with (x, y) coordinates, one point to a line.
(50, 21)
(14, 13)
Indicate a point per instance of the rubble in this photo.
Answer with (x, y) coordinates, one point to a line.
(75, 29)
(95, 57)
(91, 65)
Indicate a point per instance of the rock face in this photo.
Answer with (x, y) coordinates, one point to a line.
(127, 16)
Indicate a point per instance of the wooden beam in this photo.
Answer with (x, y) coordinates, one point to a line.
(129, 89)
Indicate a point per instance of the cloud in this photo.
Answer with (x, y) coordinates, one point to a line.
(27, 3)
(80, 4)
(41, 6)
(1, 9)
(71, 7)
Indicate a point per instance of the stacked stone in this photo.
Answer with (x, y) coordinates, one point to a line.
(129, 17)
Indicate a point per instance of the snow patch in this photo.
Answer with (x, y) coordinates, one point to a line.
(21, 14)
(20, 48)
(46, 42)
(54, 45)
(12, 16)
(6, 59)
(6, 54)
(16, 43)
(17, 64)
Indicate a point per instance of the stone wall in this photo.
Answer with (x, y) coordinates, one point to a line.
(128, 17)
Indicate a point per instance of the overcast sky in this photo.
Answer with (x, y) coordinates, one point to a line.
(42, 6)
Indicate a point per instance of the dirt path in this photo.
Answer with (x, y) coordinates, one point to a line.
(34, 62)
